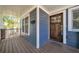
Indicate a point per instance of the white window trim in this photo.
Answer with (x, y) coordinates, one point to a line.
(24, 26)
(70, 23)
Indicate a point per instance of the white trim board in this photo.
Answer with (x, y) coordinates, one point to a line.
(29, 24)
(48, 27)
(64, 27)
(37, 28)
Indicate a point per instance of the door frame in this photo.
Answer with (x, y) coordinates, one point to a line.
(64, 25)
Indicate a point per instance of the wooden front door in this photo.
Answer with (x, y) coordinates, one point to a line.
(56, 27)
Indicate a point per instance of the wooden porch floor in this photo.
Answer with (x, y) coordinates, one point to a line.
(20, 45)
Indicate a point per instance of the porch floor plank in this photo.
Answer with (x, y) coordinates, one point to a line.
(19, 44)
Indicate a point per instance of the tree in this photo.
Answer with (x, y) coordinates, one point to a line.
(8, 21)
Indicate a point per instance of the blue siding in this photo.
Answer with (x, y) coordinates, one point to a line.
(77, 39)
(72, 37)
(43, 17)
(32, 37)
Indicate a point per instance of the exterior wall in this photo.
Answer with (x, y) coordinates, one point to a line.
(43, 27)
(32, 36)
(72, 37)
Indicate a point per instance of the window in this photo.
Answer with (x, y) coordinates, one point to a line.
(25, 25)
(73, 19)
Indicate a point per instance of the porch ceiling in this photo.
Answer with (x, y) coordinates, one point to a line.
(19, 10)
(16, 10)
(52, 8)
